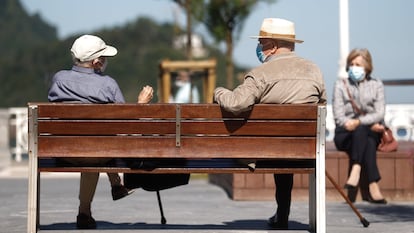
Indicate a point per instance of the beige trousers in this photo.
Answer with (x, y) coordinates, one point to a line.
(89, 180)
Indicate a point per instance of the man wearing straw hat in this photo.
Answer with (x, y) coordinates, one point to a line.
(282, 78)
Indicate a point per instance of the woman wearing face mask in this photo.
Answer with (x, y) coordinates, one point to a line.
(358, 109)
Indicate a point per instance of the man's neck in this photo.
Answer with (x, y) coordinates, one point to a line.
(85, 64)
(283, 50)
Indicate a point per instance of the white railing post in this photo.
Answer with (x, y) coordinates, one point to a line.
(18, 121)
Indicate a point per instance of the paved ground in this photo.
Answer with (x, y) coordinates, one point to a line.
(197, 207)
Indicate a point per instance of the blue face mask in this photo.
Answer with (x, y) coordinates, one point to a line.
(259, 53)
(356, 73)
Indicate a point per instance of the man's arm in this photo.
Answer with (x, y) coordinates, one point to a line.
(241, 99)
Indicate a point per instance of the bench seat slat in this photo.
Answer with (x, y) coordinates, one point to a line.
(109, 111)
(251, 127)
(191, 147)
(83, 127)
(182, 170)
(185, 166)
(188, 127)
(259, 111)
(132, 111)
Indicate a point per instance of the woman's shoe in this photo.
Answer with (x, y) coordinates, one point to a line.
(381, 201)
(352, 194)
(374, 189)
(350, 187)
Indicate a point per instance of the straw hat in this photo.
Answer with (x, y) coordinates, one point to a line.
(275, 28)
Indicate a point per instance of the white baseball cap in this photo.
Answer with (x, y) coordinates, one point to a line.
(89, 47)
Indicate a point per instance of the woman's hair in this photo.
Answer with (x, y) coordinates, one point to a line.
(364, 53)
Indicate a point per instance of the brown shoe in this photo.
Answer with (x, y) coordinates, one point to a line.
(84, 221)
(120, 191)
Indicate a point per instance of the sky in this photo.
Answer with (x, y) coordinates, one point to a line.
(384, 27)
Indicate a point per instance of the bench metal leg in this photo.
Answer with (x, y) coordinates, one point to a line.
(312, 202)
(33, 192)
(33, 173)
(317, 208)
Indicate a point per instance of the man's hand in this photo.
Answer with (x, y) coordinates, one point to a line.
(145, 95)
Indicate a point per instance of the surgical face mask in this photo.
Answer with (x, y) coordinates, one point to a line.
(259, 53)
(103, 65)
(356, 73)
(179, 83)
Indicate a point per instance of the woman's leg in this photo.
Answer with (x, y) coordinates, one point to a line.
(370, 161)
(370, 164)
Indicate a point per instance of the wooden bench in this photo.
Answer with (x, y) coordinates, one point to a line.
(291, 137)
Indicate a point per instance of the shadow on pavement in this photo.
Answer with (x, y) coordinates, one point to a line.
(233, 225)
(389, 212)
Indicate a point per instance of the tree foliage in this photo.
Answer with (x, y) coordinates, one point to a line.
(224, 20)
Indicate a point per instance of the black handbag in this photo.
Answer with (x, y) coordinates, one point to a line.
(154, 182)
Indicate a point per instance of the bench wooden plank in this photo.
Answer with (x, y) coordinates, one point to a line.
(110, 111)
(134, 111)
(188, 127)
(191, 147)
(250, 128)
(259, 111)
(207, 170)
(85, 127)
(279, 166)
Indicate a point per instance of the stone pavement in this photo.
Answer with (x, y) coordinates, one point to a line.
(198, 207)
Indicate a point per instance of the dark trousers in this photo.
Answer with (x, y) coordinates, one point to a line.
(284, 185)
(361, 147)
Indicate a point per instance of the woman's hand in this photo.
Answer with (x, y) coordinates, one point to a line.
(377, 128)
(351, 124)
(145, 95)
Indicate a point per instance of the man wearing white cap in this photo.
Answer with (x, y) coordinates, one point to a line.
(283, 78)
(86, 83)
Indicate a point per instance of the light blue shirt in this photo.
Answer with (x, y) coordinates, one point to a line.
(82, 84)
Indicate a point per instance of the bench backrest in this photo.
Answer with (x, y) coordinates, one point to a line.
(269, 131)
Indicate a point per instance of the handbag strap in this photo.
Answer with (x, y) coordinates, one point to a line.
(354, 106)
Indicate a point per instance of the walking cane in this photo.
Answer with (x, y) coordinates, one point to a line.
(163, 220)
(362, 219)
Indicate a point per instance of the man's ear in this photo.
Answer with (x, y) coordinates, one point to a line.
(96, 63)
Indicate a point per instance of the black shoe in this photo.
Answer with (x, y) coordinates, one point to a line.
(381, 201)
(120, 191)
(350, 187)
(352, 194)
(84, 221)
(275, 223)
